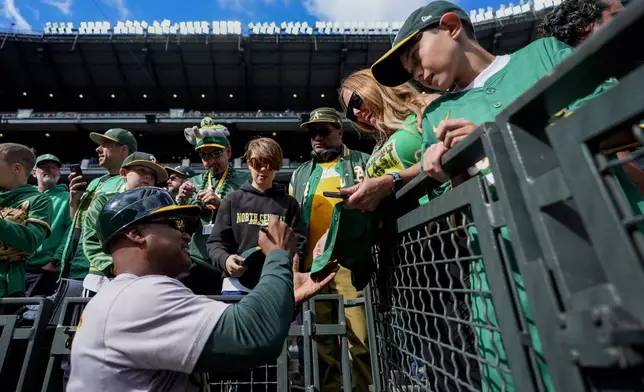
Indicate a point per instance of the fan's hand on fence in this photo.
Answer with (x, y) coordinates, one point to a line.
(432, 162)
(453, 130)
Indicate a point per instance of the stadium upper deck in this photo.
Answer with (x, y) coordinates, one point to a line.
(199, 66)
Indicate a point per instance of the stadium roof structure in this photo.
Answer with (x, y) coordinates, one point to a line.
(94, 68)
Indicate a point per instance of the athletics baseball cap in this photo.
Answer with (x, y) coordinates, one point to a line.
(324, 115)
(388, 69)
(47, 158)
(182, 171)
(118, 135)
(137, 206)
(146, 160)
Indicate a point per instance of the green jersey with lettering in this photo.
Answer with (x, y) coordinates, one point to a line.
(399, 152)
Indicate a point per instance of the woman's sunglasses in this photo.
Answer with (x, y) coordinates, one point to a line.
(212, 154)
(355, 102)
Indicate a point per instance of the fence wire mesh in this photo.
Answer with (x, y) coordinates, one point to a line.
(261, 379)
(436, 329)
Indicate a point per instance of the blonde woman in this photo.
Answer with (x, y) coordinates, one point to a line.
(389, 114)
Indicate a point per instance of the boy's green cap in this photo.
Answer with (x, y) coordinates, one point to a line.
(118, 135)
(147, 160)
(388, 69)
(47, 157)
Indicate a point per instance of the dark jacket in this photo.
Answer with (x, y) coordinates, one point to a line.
(241, 214)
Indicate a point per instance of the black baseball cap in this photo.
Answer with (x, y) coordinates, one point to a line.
(388, 69)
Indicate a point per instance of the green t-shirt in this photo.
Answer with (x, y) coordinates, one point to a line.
(21, 237)
(71, 251)
(59, 196)
(399, 152)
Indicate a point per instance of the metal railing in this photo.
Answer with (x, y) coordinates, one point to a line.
(534, 283)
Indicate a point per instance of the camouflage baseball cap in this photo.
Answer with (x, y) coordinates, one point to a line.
(182, 171)
(118, 135)
(47, 158)
(324, 115)
(388, 69)
(146, 160)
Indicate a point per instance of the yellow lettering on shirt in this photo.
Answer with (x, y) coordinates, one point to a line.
(322, 207)
(255, 218)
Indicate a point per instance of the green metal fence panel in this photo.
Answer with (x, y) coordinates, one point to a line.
(577, 238)
(21, 342)
(449, 307)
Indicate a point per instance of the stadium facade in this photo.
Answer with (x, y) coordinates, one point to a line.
(68, 82)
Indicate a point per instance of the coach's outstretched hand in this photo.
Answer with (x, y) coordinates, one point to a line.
(306, 287)
(277, 236)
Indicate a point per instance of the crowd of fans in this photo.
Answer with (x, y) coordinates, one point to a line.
(143, 239)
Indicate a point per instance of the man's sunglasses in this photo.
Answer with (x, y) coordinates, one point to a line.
(323, 132)
(212, 154)
(355, 102)
(258, 164)
(188, 226)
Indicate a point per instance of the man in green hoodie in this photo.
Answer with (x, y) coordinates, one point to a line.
(41, 268)
(25, 216)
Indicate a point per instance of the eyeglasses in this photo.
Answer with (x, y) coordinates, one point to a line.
(258, 164)
(355, 102)
(212, 154)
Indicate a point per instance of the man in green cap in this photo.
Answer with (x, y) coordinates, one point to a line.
(113, 147)
(42, 266)
(207, 191)
(138, 170)
(25, 217)
(332, 166)
(177, 176)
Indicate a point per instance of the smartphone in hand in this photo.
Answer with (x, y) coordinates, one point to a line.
(76, 169)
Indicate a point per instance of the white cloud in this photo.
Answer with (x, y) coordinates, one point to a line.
(64, 6)
(362, 10)
(34, 12)
(120, 6)
(10, 11)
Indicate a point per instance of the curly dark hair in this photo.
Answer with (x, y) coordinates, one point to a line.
(571, 21)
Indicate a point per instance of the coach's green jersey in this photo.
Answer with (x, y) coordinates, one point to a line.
(482, 104)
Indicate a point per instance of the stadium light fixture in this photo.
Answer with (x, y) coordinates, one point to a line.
(113, 96)
(145, 95)
(294, 95)
(274, 133)
(174, 95)
(24, 93)
(203, 95)
(51, 95)
(231, 95)
(47, 135)
(322, 95)
(1, 135)
(80, 96)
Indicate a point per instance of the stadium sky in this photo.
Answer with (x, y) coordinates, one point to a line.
(31, 15)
